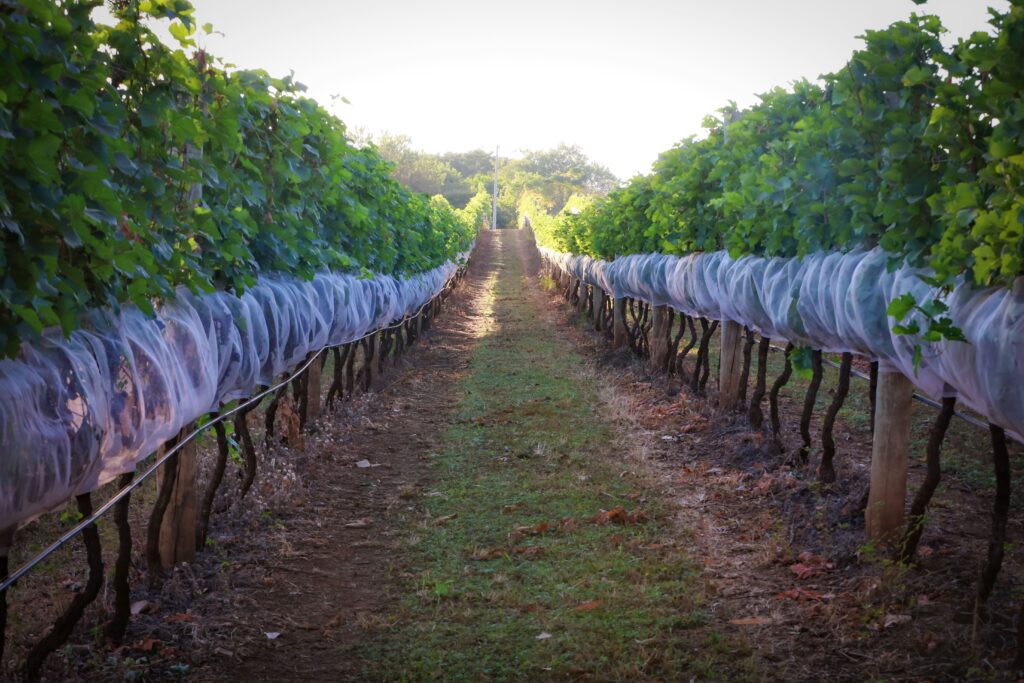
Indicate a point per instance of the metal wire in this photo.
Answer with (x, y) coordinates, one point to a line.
(13, 578)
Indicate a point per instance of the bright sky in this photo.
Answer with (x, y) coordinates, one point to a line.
(624, 79)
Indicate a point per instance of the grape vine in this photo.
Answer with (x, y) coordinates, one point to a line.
(105, 134)
(912, 146)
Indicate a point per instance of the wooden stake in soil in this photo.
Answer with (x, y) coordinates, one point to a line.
(621, 332)
(661, 338)
(873, 391)
(729, 370)
(889, 454)
(178, 523)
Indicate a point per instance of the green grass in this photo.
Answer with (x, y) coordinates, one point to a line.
(527, 447)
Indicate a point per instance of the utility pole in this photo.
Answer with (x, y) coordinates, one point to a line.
(494, 202)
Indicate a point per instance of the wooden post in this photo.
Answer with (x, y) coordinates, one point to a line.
(889, 456)
(731, 360)
(313, 377)
(178, 527)
(599, 299)
(620, 336)
(660, 339)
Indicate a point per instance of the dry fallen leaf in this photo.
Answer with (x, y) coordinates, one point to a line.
(617, 515)
(529, 552)
(810, 565)
(146, 645)
(590, 605)
(544, 636)
(360, 523)
(444, 520)
(540, 528)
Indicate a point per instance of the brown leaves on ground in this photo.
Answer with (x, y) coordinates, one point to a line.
(589, 606)
(810, 565)
(535, 530)
(145, 645)
(618, 515)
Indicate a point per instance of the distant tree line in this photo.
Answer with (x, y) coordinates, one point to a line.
(550, 176)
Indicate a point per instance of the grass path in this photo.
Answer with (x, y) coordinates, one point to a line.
(538, 554)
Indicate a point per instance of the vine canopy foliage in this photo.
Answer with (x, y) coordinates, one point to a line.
(912, 146)
(106, 134)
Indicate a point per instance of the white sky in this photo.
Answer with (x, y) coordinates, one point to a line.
(623, 79)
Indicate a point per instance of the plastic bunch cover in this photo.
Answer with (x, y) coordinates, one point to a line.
(837, 302)
(75, 413)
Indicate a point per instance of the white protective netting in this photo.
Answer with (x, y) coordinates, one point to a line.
(75, 413)
(837, 302)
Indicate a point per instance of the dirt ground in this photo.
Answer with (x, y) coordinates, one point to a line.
(296, 579)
